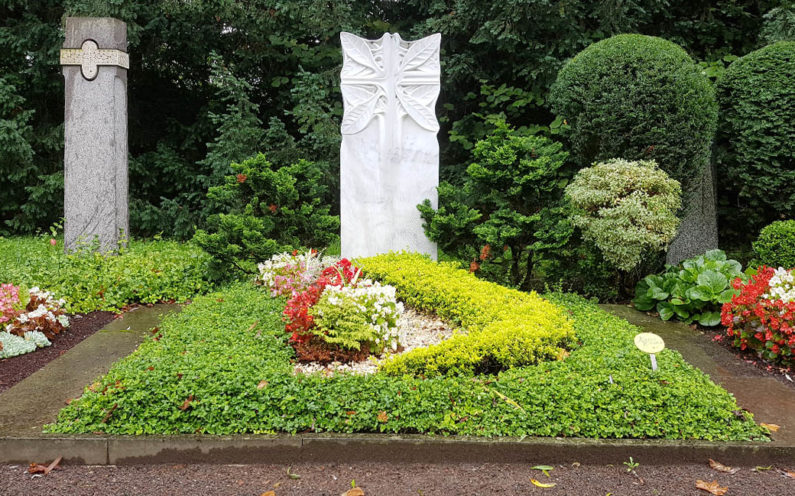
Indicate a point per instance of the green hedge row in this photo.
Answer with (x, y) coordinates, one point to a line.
(222, 366)
(144, 272)
(506, 327)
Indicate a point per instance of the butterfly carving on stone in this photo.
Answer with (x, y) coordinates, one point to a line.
(389, 77)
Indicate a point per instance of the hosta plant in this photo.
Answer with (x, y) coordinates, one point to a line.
(762, 316)
(692, 291)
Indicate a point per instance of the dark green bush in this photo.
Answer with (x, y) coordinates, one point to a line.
(262, 210)
(499, 218)
(779, 25)
(639, 98)
(775, 246)
(756, 166)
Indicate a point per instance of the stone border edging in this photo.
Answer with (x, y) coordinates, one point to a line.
(320, 448)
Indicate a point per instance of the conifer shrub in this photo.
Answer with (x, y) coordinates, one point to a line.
(261, 210)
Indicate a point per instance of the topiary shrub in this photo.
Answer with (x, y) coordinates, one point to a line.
(262, 210)
(775, 246)
(779, 25)
(638, 97)
(626, 209)
(757, 166)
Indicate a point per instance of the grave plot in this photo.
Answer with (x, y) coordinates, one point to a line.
(552, 366)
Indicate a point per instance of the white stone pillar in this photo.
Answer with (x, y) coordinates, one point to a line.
(389, 159)
(95, 63)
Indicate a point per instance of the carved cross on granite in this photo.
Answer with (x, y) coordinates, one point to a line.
(389, 157)
(89, 56)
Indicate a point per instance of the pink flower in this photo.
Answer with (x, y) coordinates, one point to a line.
(53, 241)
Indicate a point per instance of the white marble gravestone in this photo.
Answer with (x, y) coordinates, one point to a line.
(389, 159)
(95, 63)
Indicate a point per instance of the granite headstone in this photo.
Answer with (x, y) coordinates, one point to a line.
(95, 63)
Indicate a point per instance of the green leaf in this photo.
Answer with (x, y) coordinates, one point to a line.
(708, 319)
(715, 281)
(666, 310)
(703, 293)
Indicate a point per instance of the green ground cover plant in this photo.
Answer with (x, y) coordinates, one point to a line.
(506, 327)
(692, 291)
(143, 272)
(222, 366)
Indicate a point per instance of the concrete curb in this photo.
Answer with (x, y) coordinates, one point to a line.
(320, 448)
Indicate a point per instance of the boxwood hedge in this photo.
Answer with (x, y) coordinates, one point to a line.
(506, 328)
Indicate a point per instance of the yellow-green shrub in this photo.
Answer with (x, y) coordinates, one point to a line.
(506, 328)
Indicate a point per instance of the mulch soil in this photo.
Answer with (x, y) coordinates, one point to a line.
(81, 326)
(317, 350)
(382, 479)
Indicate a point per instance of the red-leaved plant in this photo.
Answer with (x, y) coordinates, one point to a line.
(296, 312)
(756, 321)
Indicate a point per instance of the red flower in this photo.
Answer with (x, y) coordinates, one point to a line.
(241, 178)
(272, 207)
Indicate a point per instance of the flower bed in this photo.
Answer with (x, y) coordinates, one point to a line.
(26, 330)
(223, 366)
(762, 316)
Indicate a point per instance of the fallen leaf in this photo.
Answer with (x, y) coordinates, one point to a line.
(541, 484)
(544, 468)
(790, 474)
(770, 427)
(276, 486)
(382, 417)
(711, 487)
(254, 325)
(36, 468)
(262, 384)
(722, 468)
(356, 491)
(291, 475)
(575, 464)
(760, 468)
(186, 403)
(268, 493)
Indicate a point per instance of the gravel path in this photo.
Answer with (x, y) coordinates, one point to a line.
(386, 480)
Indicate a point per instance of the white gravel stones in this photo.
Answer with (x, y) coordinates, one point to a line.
(415, 330)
